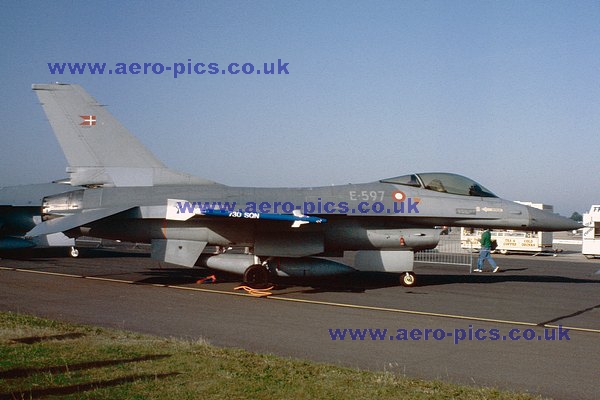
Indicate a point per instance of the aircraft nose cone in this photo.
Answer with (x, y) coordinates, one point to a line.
(545, 221)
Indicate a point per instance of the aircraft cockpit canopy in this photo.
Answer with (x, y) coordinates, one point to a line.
(442, 182)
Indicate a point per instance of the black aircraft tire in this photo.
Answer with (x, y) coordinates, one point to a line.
(74, 252)
(408, 279)
(256, 276)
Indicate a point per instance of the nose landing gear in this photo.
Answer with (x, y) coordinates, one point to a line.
(408, 279)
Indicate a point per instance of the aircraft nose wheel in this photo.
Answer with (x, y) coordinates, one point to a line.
(257, 276)
(408, 279)
(74, 252)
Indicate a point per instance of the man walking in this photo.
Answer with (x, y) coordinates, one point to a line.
(484, 253)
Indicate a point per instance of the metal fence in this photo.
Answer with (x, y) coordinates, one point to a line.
(448, 251)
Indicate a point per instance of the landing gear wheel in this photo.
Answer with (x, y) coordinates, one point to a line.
(257, 276)
(74, 252)
(408, 279)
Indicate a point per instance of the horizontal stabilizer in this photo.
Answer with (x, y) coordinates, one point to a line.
(63, 224)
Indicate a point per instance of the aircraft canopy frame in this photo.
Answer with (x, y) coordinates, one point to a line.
(442, 182)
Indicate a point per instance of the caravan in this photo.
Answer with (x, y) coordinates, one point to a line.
(591, 233)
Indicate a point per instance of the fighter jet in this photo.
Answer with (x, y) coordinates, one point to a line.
(128, 194)
(20, 211)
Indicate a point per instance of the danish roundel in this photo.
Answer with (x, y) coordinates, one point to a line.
(398, 196)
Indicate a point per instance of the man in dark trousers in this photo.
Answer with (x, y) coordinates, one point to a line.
(484, 253)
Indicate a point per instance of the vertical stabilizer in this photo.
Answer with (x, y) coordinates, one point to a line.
(99, 150)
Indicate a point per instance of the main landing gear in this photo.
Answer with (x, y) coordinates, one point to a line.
(408, 279)
(257, 276)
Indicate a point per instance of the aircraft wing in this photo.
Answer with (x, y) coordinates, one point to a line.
(68, 222)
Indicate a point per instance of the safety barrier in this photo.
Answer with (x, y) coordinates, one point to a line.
(448, 251)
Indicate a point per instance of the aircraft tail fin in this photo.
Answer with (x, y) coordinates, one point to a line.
(99, 150)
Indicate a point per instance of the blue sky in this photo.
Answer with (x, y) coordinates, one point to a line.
(504, 92)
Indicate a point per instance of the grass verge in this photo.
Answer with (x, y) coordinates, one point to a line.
(44, 358)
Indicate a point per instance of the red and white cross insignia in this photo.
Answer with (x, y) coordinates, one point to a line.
(88, 120)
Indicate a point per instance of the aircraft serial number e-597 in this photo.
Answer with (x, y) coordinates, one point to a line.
(364, 195)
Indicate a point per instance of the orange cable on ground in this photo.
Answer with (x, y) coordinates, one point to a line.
(208, 279)
(255, 292)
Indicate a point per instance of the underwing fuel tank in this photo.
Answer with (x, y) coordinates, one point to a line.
(233, 263)
(307, 267)
(281, 266)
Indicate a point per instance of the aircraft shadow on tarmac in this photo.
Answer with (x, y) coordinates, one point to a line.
(179, 276)
(357, 282)
(502, 276)
(48, 253)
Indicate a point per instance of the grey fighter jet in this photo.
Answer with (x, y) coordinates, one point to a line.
(130, 195)
(20, 211)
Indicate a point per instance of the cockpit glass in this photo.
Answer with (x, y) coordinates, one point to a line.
(444, 183)
(409, 180)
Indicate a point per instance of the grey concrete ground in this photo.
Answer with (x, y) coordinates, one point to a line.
(296, 321)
